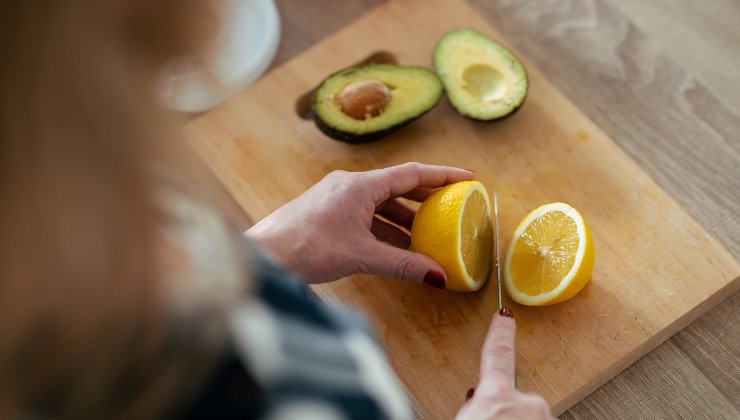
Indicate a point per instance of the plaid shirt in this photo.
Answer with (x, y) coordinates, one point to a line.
(289, 355)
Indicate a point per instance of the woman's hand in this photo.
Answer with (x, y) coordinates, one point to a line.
(495, 396)
(332, 230)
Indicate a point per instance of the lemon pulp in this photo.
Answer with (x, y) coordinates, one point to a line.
(545, 253)
(551, 256)
(476, 236)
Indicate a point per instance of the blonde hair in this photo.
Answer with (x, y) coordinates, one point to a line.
(83, 333)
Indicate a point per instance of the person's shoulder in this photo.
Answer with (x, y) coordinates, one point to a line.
(205, 260)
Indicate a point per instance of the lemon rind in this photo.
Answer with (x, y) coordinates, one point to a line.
(574, 215)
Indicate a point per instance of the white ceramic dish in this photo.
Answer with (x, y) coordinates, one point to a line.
(241, 52)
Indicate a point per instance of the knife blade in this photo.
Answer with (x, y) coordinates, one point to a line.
(498, 253)
(498, 261)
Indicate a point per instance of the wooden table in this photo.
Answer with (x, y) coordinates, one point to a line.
(662, 79)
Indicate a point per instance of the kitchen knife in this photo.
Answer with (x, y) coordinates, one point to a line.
(498, 257)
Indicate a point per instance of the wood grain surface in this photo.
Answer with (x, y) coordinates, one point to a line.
(304, 23)
(712, 378)
(703, 39)
(662, 79)
(650, 95)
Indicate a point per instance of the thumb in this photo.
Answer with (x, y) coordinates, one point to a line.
(498, 356)
(389, 261)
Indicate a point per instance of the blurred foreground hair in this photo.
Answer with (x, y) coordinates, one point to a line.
(83, 332)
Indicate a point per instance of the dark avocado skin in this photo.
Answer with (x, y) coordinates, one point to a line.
(487, 120)
(354, 138)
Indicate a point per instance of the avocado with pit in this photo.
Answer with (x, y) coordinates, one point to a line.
(362, 104)
(482, 79)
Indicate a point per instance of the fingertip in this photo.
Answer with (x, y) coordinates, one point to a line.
(498, 354)
(503, 319)
(435, 279)
(502, 331)
(469, 394)
(464, 174)
(466, 171)
(503, 326)
(431, 266)
(386, 260)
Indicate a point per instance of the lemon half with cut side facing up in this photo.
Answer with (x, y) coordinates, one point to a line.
(453, 227)
(550, 257)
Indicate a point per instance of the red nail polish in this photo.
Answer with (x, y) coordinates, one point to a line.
(506, 312)
(470, 394)
(435, 279)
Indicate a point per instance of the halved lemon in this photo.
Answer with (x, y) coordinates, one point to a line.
(551, 256)
(453, 227)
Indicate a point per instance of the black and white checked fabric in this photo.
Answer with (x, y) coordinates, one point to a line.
(300, 359)
(289, 355)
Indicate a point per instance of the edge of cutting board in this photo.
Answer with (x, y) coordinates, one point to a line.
(627, 359)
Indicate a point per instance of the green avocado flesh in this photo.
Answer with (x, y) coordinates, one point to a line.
(483, 80)
(409, 93)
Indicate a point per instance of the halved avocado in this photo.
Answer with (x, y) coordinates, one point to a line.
(362, 104)
(483, 80)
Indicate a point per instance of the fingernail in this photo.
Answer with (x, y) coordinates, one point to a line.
(435, 279)
(506, 312)
(469, 170)
(470, 394)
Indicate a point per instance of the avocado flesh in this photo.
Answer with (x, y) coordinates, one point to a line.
(413, 92)
(482, 79)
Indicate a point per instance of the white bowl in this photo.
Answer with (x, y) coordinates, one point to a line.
(240, 54)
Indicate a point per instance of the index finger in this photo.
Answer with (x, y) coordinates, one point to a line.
(498, 356)
(398, 180)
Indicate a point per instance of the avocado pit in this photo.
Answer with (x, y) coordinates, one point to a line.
(364, 99)
(366, 103)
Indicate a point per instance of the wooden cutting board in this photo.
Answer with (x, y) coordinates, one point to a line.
(656, 268)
